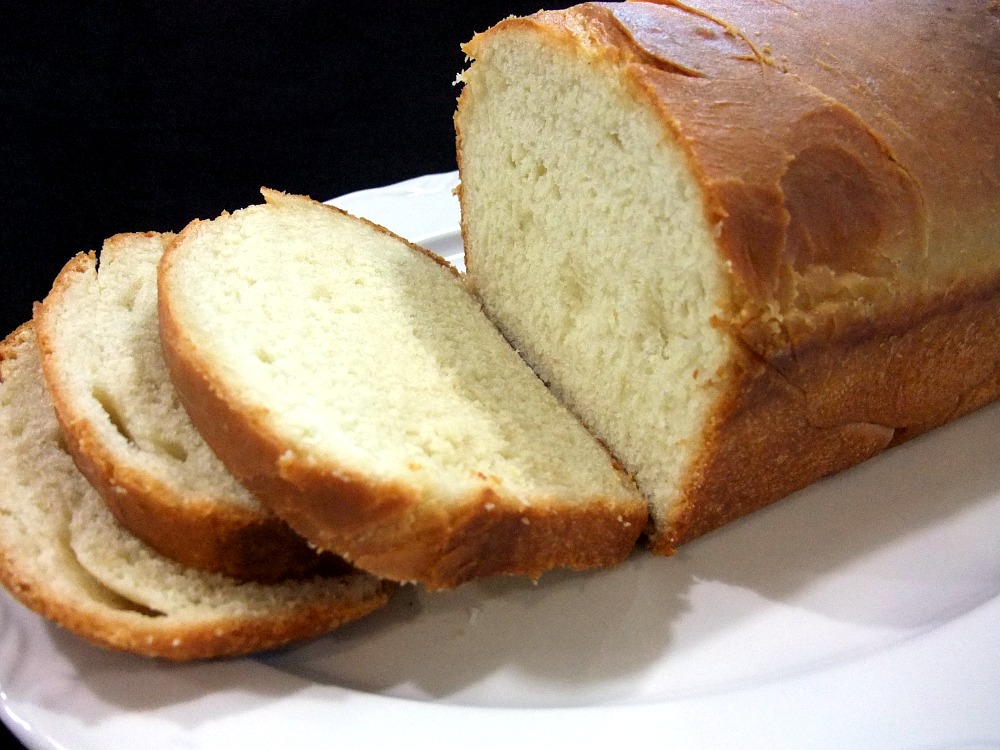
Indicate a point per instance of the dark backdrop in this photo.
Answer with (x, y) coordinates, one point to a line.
(141, 116)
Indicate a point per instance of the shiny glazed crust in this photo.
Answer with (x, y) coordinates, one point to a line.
(848, 161)
(389, 529)
(207, 533)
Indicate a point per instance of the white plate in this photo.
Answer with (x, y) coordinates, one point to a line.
(862, 612)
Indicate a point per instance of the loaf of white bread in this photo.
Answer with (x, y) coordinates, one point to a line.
(749, 243)
(98, 333)
(63, 554)
(746, 244)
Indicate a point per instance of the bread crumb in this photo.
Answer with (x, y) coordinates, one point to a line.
(489, 506)
(525, 521)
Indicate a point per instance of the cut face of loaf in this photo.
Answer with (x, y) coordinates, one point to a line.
(353, 384)
(63, 555)
(127, 431)
(594, 258)
(743, 266)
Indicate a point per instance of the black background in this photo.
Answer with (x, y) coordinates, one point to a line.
(142, 116)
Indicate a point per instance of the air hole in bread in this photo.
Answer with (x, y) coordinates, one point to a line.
(321, 293)
(171, 448)
(114, 413)
(61, 441)
(17, 429)
(108, 596)
(128, 298)
(127, 605)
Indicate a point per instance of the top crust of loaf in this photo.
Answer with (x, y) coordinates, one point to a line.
(406, 489)
(63, 555)
(130, 437)
(847, 162)
(815, 169)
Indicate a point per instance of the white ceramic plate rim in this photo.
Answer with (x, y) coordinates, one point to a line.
(905, 683)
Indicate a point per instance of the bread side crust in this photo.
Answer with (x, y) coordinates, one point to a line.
(116, 625)
(389, 529)
(202, 532)
(160, 637)
(817, 410)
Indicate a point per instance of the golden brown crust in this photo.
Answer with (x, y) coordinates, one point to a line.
(162, 637)
(202, 532)
(829, 407)
(111, 622)
(394, 533)
(385, 528)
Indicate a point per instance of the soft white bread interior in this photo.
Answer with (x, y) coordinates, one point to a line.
(750, 244)
(353, 384)
(63, 555)
(98, 334)
(593, 257)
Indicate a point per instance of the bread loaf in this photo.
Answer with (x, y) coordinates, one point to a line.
(100, 344)
(749, 243)
(351, 382)
(63, 555)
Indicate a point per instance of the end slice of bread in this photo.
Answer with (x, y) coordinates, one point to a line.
(63, 555)
(128, 433)
(351, 381)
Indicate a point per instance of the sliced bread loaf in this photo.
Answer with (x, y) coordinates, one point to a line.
(63, 555)
(750, 244)
(353, 384)
(129, 435)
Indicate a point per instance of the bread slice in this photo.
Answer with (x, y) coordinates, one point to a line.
(353, 384)
(63, 555)
(128, 433)
(749, 245)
